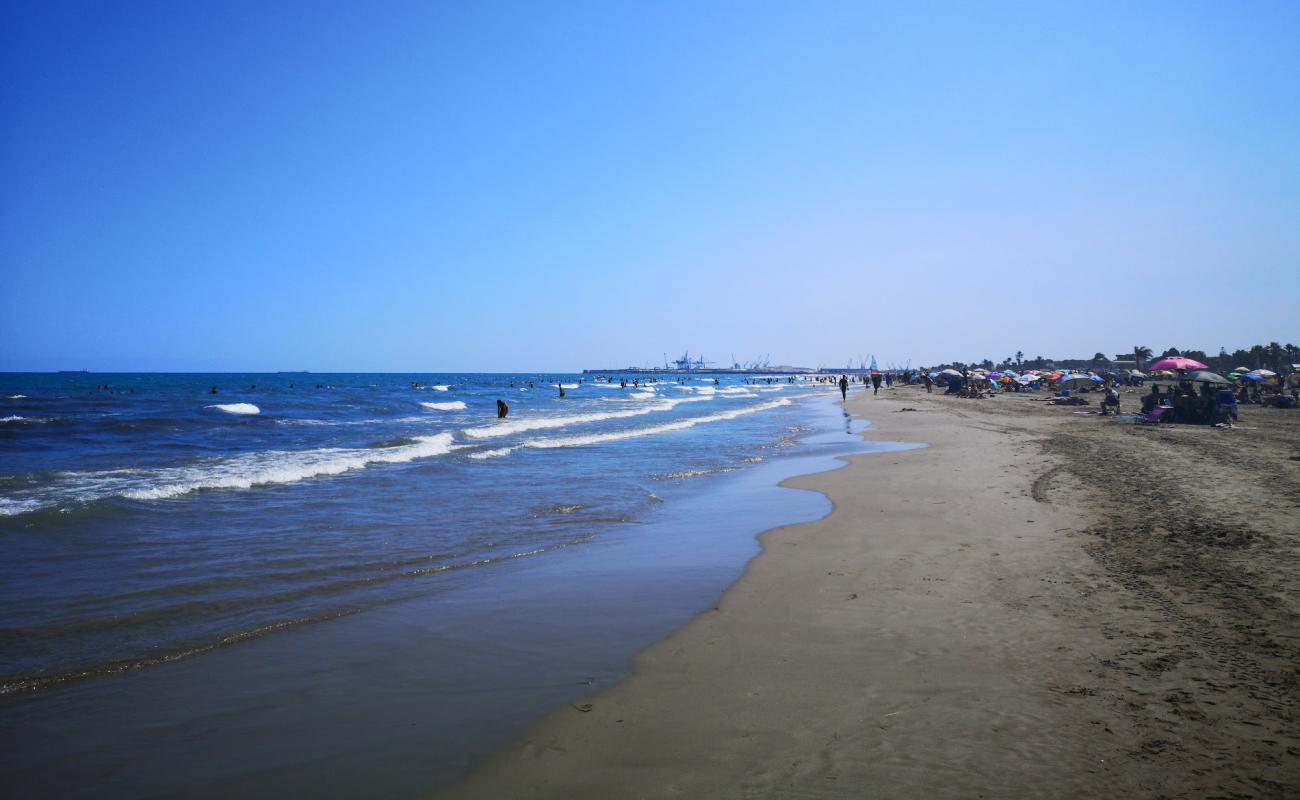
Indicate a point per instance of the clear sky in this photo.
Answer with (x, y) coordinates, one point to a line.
(555, 185)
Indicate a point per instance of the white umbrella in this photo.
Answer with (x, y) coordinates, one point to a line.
(1267, 373)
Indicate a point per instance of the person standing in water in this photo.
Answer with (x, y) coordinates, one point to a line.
(844, 387)
(502, 409)
(561, 389)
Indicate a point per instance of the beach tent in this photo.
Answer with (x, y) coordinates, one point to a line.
(1178, 363)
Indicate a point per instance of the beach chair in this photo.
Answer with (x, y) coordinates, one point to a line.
(1158, 414)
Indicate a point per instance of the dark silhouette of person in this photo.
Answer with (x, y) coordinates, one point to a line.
(561, 389)
(213, 390)
(502, 409)
(844, 387)
(875, 384)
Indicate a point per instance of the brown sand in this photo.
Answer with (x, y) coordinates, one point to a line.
(1039, 604)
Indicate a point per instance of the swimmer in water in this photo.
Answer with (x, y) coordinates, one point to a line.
(502, 409)
(213, 390)
(561, 389)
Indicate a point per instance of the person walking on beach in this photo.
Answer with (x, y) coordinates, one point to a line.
(929, 383)
(875, 384)
(502, 409)
(844, 387)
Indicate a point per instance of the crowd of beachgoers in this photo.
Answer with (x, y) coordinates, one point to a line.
(1182, 390)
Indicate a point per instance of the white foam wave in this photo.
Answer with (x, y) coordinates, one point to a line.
(237, 408)
(641, 395)
(568, 385)
(733, 390)
(486, 454)
(772, 389)
(15, 418)
(440, 388)
(238, 472)
(455, 405)
(541, 423)
(651, 430)
(17, 397)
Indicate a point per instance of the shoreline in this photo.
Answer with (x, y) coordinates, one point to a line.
(950, 631)
(458, 673)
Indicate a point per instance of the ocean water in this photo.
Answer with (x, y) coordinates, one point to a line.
(214, 595)
(145, 519)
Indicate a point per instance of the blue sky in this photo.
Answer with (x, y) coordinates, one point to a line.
(556, 185)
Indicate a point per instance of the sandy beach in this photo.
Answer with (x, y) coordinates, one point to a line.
(1039, 603)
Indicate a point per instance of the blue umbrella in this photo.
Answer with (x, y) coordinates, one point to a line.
(1250, 376)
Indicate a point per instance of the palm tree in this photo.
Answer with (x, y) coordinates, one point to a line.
(1275, 355)
(1020, 357)
(1141, 354)
(1257, 354)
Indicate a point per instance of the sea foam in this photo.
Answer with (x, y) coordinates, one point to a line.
(454, 405)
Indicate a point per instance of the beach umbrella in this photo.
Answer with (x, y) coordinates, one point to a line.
(1136, 374)
(1097, 378)
(1177, 362)
(952, 372)
(1075, 380)
(1251, 376)
(1267, 373)
(1028, 379)
(1241, 369)
(1205, 376)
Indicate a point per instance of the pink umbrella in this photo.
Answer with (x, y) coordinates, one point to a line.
(1177, 362)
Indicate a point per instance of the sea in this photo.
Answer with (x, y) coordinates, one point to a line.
(360, 583)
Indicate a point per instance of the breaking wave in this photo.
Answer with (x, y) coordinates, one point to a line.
(238, 472)
(651, 430)
(455, 405)
(237, 408)
(542, 423)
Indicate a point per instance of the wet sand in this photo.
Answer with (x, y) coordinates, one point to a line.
(1037, 604)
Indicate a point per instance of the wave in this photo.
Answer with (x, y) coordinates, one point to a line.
(542, 423)
(455, 405)
(237, 408)
(17, 397)
(20, 420)
(641, 395)
(238, 472)
(667, 427)
(732, 390)
(440, 388)
(486, 454)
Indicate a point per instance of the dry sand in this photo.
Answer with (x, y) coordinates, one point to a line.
(1038, 604)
